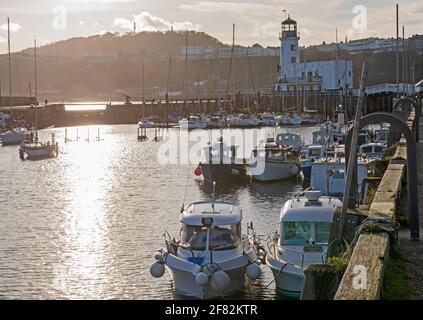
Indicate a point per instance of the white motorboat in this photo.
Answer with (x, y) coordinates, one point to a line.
(193, 122)
(308, 156)
(271, 162)
(290, 140)
(375, 151)
(303, 239)
(211, 256)
(243, 120)
(328, 175)
(144, 123)
(215, 122)
(14, 137)
(35, 150)
(267, 119)
(289, 119)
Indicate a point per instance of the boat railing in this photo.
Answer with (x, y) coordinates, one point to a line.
(274, 246)
(175, 244)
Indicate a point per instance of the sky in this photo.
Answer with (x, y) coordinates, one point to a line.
(257, 21)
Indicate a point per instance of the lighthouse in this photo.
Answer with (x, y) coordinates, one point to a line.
(308, 76)
(290, 52)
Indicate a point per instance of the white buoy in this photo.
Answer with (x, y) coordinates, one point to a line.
(220, 281)
(253, 271)
(201, 279)
(157, 270)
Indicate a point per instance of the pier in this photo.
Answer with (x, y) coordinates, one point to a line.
(364, 276)
(57, 115)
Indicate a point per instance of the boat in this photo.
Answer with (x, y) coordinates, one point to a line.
(212, 257)
(221, 163)
(267, 119)
(144, 123)
(311, 117)
(243, 120)
(215, 122)
(271, 162)
(14, 136)
(308, 156)
(4, 119)
(373, 150)
(328, 175)
(289, 119)
(35, 150)
(290, 140)
(193, 122)
(382, 136)
(174, 118)
(303, 239)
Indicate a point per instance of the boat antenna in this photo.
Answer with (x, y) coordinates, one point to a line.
(186, 189)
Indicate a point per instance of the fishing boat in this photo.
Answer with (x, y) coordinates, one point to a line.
(308, 156)
(14, 136)
(221, 163)
(267, 119)
(193, 122)
(303, 239)
(373, 150)
(271, 162)
(212, 257)
(35, 150)
(328, 175)
(382, 136)
(290, 140)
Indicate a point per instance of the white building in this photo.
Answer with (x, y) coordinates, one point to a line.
(308, 76)
(207, 52)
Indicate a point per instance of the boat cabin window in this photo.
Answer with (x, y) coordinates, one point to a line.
(378, 149)
(299, 233)
(338, 174)
(314, 152)
(194, 237)
(318, 138)
(224, 237)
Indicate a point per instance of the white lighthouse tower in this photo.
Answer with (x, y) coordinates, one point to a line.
(290, 52)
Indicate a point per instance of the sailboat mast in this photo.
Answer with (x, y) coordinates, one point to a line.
(35, 70)
(143, 85)
(10, 66)
(233, 58)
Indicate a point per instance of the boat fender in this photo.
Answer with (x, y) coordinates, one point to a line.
(253, 271)
(158, 256)
(220, 281)
(157, 269)
(201, 279)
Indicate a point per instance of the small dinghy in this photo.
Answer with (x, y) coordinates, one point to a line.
(212, 256)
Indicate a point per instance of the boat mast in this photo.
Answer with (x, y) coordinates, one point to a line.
(230, 66)
(35, 70)
(10, 66)
(143, 85)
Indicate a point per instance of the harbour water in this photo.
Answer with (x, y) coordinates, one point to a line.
(86, 225)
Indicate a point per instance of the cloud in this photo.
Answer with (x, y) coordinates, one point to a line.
(145, 21)
(14, 27)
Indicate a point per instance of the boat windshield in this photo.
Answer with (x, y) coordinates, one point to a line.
(314, 152)
(221, 237)
(194, 237)
(301, 233)
(224, 237)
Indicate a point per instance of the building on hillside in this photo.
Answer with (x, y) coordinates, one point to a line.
(308, 76)
(206, 52)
